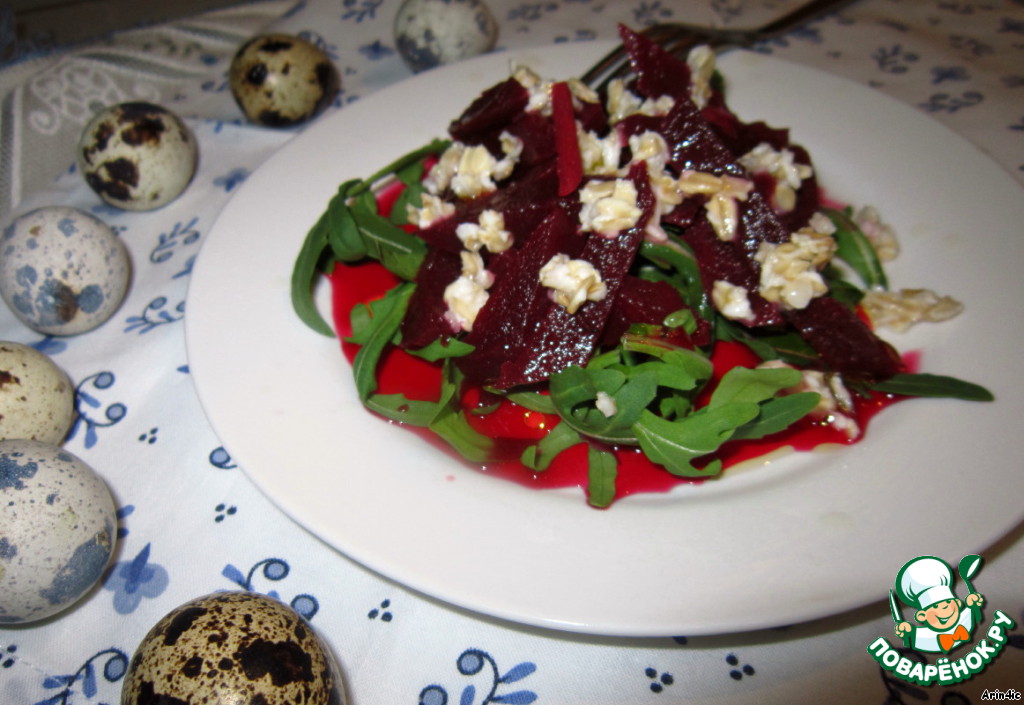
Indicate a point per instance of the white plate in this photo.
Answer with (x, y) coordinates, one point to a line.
(804, 536)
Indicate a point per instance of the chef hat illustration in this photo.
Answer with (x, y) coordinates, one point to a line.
(924, 581)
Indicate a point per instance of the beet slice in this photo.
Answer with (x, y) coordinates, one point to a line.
(844, 342)
(657, 72)
(523, 201)
(643, 301)
(721, 260)
(490, 112)
(537, 135)
(559, 339)
(694, 145)
(567, 146)
(517, 297)
(424, 319)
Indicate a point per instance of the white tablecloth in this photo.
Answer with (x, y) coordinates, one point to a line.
(191, 523)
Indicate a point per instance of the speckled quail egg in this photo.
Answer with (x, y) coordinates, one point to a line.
(232, 647)
(279, 80)
(62, 271)
(429, 33)
(37, 400)
(57, 530)
(137, 156)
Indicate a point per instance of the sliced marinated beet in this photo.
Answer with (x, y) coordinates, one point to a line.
(494, 109)
(759, 223)
(724, 261)
(592, 117)
(567, 146)
(808, 197)
(694, 145)
(517, 297)
(424, 319)
(741, 137)
(844, 342)
(559, 339)
(643, 301)
(523, 202)
(686, 213)
(537, 135)
(657, 72)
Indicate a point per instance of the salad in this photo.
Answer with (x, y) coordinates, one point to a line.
(620, 281)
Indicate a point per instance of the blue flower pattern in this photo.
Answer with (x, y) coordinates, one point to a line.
(274, 570)
(181, 235)
(135, 579)
(144, 573)
(88, 401)
(487, 684)
(100, 675)
(156, 313)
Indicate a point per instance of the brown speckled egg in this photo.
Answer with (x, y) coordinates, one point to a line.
(137, 156)
(37, 400)
(279, 80)
(232, 647)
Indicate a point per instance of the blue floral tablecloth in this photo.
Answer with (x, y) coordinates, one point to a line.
(190, 522)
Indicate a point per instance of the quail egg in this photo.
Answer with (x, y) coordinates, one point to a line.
(429, 33)
(37, 400)
(57, 530)
(137, 156)
(279, 80)
(62, 271)
(232, 647)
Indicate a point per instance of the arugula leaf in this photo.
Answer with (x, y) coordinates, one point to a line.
(435, 146)
(304, 273)
(375, 333)
(533, 401)
(630, 400)
(930, 385)
(577, 385)
(333, 234)
(777, 414)
(538, 456)
(677, 255)
(399, 251)
(411, 195)
(840, 289)
(400, 408)
(443, 349)
(695, 364)
(854, 248)
(602, 469)
(452, 425)
(743, 405)
(788, 347)
(343, 234)
(684, 319)
(753, 385)
(676, 444)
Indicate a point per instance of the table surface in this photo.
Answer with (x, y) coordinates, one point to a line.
(191, 523)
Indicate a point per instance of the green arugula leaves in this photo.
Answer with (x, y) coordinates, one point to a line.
(649, 398)
(646, 392)
(351, 230)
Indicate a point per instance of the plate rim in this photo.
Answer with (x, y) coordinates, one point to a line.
(649, 623)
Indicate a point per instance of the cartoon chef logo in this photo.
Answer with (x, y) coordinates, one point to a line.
(941, 621)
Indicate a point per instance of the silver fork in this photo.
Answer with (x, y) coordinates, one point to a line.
(678, 38)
